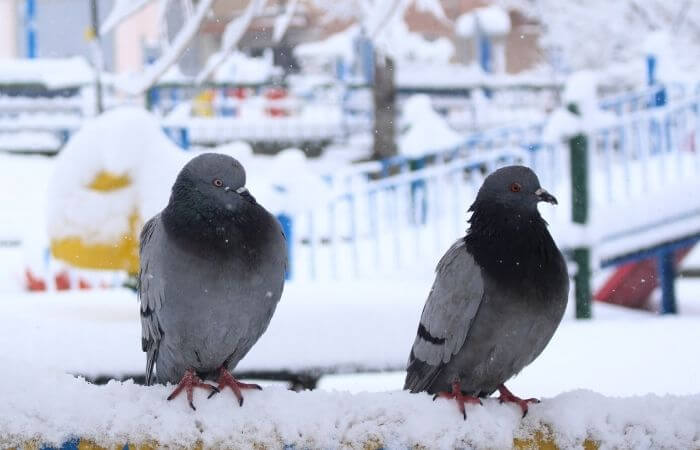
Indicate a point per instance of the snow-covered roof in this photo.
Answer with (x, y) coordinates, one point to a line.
(174, 75)
(397, 40)
(492, 20)
(460, 76)
(54, 73)
(338, 45)
(243, 69)
(426, 131)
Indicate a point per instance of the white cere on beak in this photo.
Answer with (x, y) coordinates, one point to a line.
(242, 190)
(227, 189)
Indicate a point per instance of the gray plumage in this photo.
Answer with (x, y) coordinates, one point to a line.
(212, 272)
(498, 296)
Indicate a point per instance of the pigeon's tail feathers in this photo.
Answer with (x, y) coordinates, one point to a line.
(451, 308)
(420, 374)
(151, 293)
(151, 356)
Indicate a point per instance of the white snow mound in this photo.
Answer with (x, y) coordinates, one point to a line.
(125, 141)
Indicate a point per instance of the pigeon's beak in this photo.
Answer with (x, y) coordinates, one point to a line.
(544, 196)
(245, 194)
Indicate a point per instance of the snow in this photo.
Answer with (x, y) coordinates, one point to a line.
(396, 40)
(338, 45)
(27, 141)
(406, 46)
(465, 26)
(238, 68)
(54, 73)
(233, 33)
(433, 7)
(174, 75)
(425, 130)
(23, 187)
(282, 21)
(124, 141)
(374, 323)
(636, 403)
(599, 33)
(492, 20)
(581, 90)
(62, 407)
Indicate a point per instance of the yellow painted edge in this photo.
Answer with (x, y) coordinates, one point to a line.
(539, 441)
(120, 255)
(106, 181)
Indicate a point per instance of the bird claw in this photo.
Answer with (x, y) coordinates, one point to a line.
(507, 396)
(226, 379)
(215, 390)
(460, 398)
(189, 381)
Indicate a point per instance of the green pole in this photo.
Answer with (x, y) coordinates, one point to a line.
(578, 146)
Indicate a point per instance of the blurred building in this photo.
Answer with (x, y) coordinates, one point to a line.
(60, 27)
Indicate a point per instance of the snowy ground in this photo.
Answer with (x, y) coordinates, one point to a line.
(644, 358)
(363, 326)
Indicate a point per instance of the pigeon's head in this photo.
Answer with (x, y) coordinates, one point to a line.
(211, 184)
(514, 188)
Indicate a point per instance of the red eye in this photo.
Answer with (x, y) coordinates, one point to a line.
(515, 187)
(217, 182)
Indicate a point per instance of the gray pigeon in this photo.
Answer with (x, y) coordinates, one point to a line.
(498, 296)
(212, 272)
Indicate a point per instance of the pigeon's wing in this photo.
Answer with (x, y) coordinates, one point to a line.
(150, 293)
(447, 316)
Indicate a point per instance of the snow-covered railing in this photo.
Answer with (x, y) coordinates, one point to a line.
(406, 211)
(656, 95)
(67, 413)
(369, 227)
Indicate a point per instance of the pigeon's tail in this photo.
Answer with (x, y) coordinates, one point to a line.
(420, 375)
(151, 356)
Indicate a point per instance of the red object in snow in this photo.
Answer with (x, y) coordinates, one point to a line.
(276, 94)
(632, 283)
(34, 283)
(83, 284)
(238, 92)
(62, 280)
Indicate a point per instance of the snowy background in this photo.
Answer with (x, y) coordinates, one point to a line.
(92, 137)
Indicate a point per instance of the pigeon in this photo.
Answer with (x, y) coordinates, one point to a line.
(499, 294)
(212, 271)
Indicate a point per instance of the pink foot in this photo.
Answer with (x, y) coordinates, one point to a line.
(507, 396)
(457, 395)
(226, 379)
(189, 381)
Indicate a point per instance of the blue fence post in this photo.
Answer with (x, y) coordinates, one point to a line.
(667, 276)
(30, 26)
(659, 98)
(365, 51)
(286, 222)
(184, 138)
(485, 57)
(418, 187)
(152, 98)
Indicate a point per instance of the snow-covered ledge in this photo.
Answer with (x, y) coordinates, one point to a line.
(52, 408)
